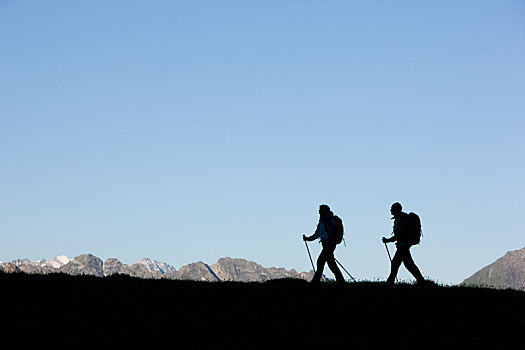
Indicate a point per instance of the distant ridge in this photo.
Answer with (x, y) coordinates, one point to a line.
(506, 272)
(225, 269)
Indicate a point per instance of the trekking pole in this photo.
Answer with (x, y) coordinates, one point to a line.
(388, 251)
(308, 249)
(389, 257)
(337, 261)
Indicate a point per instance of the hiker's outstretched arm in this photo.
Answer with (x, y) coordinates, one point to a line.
(391, 239)
(316, 235)
(312, 237)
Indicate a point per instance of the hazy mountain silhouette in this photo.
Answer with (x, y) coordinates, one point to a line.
(240, 270)
(226, 269)
(198, 271)
(113, 266)
(85, 264)
(506, 272)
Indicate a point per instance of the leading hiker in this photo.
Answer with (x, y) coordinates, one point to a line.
(330, 232)
(405, 236)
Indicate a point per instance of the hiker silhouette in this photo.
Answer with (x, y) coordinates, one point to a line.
(401, 235)
(324, 232)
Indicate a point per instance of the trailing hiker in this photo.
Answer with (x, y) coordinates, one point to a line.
(407, 232)
(330, 232)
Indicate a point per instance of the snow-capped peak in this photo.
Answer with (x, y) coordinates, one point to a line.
(57, 261)
(156, 266)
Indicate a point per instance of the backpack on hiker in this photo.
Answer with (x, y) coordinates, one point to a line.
(413, 228)
(336, 230)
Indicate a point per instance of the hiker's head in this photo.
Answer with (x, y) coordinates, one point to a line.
(324, 210)
(396, 209)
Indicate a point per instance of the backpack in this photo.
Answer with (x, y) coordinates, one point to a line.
(336, 230)
(414, 228)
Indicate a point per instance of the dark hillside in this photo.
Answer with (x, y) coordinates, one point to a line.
(87, 312)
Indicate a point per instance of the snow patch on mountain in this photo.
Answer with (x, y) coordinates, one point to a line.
(57, 262)
(156, 266)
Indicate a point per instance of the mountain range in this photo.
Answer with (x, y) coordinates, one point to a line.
(225, 269)
(506, 272)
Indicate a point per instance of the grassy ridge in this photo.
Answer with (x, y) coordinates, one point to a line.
(88, 312)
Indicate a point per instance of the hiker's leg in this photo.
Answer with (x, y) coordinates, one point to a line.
(332, 264)
(394, 267)
(412, 268)
(321, 260)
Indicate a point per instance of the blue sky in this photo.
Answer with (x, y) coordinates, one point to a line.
(187, 131)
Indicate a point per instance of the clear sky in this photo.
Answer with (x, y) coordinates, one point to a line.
(194, 130)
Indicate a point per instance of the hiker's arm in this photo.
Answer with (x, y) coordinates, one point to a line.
(306, 238)
(314, 236)
(391, 239)
(395, 232)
